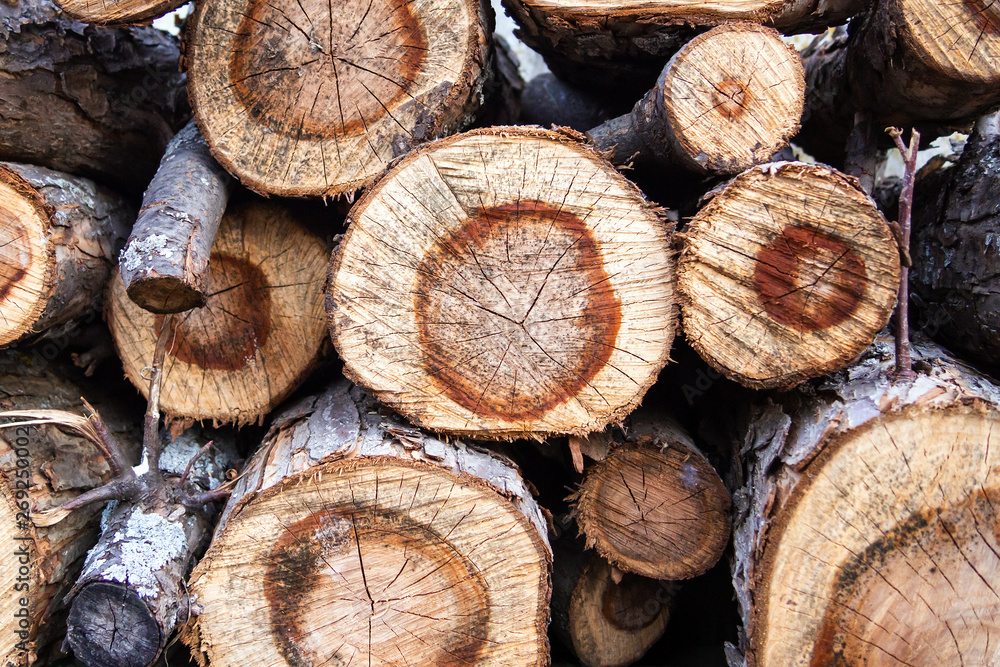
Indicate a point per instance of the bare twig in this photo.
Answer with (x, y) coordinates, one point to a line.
(904, 368)
(151, 424)
(190, 465)
(861, 160)
(112, 451)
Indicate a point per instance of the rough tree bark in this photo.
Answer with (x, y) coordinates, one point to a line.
(98, 102)
(59, 236)
(955, 271)
(866, 528)
(40, 468)
(787, 273)
(548, 100)
(260, 332)
(130, 596)
(730, 98)
(606, 623)
(612, 44)
(654, 505)
(165, 263)
(530, 289)
(353, 537)
(930, 63)
(311, 99)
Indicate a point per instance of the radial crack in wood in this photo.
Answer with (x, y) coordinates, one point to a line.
(869, 532)
(529, 288)
(118, 12)
(352, 536)
(309, 97)
(59, 236)
(787, 273)
(260, 332)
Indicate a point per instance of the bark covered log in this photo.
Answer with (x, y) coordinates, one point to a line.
(301, 99)
(955, 273)
(866, 529)
(655, 506)
(59, 236)
(97, 102)
(606, 623)
(529, 291)
(548, 100)
(625, 43)
(787, 273)
(130, 596)
(165, 264)
(352, 537)
(730, 98)
(260, 332)
(42, 467)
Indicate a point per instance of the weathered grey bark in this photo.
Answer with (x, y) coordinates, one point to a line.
(43, 466)
(55, 262)
(131, 595)
(165, 263)
(910, 463)
(955, 274)
(503, 90)
(357, 480)
(605, 623)
(97, 102)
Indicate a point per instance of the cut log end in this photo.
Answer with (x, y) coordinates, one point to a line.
(261, 328)
(733, 97)
(388, 571)
(787, 273)
(109, 624)
(165, 295)
(26, 259)
(313, 98)
(890, 549)
(656, 508)
(510, 309)
(118, 12)
(972, 46)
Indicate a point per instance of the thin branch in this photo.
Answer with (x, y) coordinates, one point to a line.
(112, 451)
(190, 465)
(151, 424)
(904, 367)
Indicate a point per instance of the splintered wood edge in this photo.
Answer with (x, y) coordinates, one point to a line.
(699, 12)
(667, 557)
(26, 281)
(970, 52)
(436, 115)
(257, 377)
(878, 301)
(358, 370)
(728, 112)
(829, 563)
(118, 12)
(213, 572)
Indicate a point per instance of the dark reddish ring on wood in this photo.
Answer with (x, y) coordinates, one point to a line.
(731, 98)
(234, 324)
(632, 604)
(11, 274)
(301, 553)
(787, 295)
(374, 51)
(595, 328)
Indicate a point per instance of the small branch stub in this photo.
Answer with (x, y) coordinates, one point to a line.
(530, 291)
(787, 273)
(904, 368)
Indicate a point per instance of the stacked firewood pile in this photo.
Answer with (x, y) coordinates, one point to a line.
(438, 367)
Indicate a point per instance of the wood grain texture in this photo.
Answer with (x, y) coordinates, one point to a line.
(118, 12)
(43, 467)
(260, 332)
(655, 506)
(529, 291)
(353, 537)
(85, 100)
(787, 273)
(729, 99)
(316, 98)
(867, 527)
(59, 238)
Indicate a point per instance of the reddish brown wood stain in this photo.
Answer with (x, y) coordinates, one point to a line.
(289, 70)
(800, 288)
(15, 235)
(598, 323)
(235, 322)
(304, 548)
(731, 98)
(907, 561)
